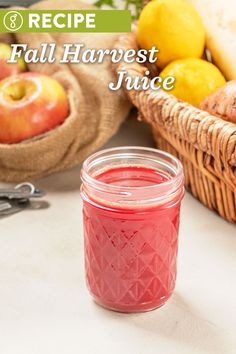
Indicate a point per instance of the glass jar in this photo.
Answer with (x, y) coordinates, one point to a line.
(131, 211)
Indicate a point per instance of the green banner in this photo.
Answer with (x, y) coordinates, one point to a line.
(65, 21)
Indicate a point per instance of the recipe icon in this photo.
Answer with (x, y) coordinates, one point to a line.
(13, 21)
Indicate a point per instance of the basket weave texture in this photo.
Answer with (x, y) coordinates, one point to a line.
(205, 144)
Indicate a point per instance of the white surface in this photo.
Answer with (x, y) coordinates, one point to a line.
(44, 304)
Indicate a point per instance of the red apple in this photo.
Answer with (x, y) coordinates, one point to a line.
(8, 69)
(30, 104)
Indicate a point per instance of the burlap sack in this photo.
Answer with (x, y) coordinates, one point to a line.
(95, 112)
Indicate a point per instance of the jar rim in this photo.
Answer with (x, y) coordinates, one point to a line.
(175, 164)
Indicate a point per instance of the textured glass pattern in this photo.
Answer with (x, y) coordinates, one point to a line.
(131, 268)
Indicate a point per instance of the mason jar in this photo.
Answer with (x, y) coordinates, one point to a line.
(131, 211)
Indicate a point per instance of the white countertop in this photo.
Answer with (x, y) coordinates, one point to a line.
(44, 304)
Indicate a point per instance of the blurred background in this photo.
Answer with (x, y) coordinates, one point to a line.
(104, 4)
(7, 3)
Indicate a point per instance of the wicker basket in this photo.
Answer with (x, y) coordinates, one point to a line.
(205, 144)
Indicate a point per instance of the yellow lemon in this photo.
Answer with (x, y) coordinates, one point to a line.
(174, 27)
(195, 79)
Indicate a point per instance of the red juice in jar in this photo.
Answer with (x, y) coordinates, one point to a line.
(131, 213)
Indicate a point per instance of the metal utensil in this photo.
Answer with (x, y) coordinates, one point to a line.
(13, 200)
(13, 206)
(22, 191)
(4, 206)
